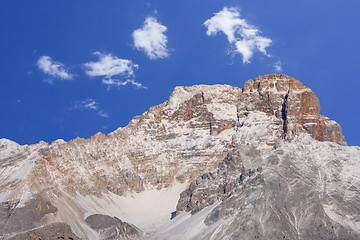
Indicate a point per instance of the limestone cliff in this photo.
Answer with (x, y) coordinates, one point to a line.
(296, 105)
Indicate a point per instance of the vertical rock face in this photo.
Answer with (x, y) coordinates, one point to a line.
(295, 105)
(228, 163)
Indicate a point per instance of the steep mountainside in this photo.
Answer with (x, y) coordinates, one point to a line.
(212, 162)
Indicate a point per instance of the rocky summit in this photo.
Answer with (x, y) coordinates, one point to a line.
(212, 162)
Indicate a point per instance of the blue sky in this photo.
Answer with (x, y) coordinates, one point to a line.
(75, 68)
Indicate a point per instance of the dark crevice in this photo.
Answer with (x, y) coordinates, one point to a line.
(238, 118)
(284, 115)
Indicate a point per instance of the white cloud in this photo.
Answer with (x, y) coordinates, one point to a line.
(89, 104)
(118, 83)
(54, 69)
(103, 114)
(243, 36)
(151, 39)
(85, 104)
(278, 66)
(110, 66)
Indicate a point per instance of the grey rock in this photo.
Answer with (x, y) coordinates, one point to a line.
(19, 219)
(276, 201)
(112, 227)
(53, 231)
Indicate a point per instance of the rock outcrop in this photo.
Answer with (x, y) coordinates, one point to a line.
(221, 161)
(296, 106)
(16, 218)
(52, 231)
(112, 227)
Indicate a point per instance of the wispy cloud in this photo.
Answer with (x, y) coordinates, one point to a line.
(103, 114)
(244, 37)
(119, 83)
(53, 69)
(110, 66)
(89, 104)
(151, 39)
(278, 66)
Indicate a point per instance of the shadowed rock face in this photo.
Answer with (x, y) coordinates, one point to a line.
(269, 196)
(112, 228)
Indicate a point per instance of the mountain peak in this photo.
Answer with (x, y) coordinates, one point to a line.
(220, 153)
(295, 106)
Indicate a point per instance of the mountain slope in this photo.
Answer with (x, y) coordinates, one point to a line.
(222, 162)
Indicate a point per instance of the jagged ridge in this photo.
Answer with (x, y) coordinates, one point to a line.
(225, 142)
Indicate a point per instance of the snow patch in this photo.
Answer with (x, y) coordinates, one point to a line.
(147, 210)
(185, 225)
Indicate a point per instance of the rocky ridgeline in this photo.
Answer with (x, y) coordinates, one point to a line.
(245, 153)
(167, 133)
